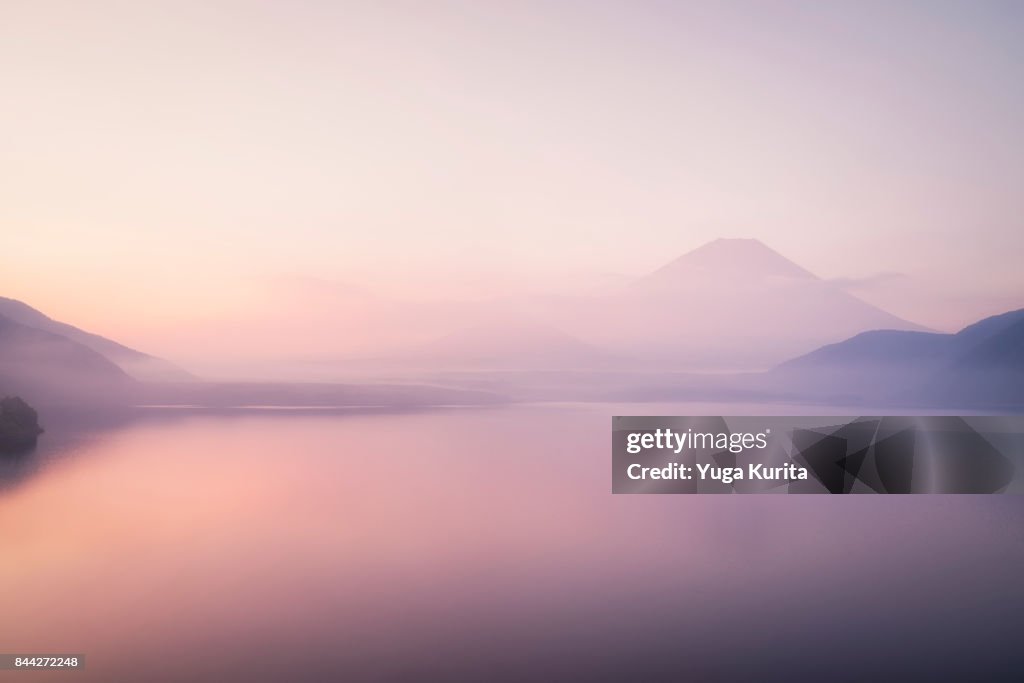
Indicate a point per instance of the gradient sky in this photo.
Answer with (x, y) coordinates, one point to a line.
(159, 158)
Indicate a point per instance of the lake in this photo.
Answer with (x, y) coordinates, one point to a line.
(477, 544)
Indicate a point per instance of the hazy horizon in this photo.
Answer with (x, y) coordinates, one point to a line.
(176, 166)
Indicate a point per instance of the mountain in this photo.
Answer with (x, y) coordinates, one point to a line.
(989, 328)
(989, 372)
(733, 258)
(879, 347)
(45, 367)
(981, 365)
(64, 377)
(731, 304)
(139, 365)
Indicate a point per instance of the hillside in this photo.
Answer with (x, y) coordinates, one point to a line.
(44, 367)
(981, 365)
(139, 365)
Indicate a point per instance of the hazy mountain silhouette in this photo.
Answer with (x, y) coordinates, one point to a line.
(139, 365)
(730, 304)
(65, 376)
(981, 365)
(45, 367)
(987, 341)
(734, 258)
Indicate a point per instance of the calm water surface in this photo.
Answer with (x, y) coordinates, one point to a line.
(483, 545)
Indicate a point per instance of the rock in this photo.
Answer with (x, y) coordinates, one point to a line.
(19, 425)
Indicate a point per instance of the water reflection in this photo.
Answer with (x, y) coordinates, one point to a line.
(477, 544)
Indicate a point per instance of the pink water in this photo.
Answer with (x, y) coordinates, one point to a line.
(475, 544)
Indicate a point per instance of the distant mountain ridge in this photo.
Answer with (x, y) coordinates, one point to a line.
(728, 305)
(881, 346)
(982, 364)
(62, 376)
(46, 367)
(141, 366)
(731, 304)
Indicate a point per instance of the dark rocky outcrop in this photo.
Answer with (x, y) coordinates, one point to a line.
(19, 425)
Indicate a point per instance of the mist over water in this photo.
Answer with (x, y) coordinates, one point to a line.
(478, 544)
(308, 296)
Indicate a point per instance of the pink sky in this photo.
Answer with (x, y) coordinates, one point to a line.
(163, 161)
